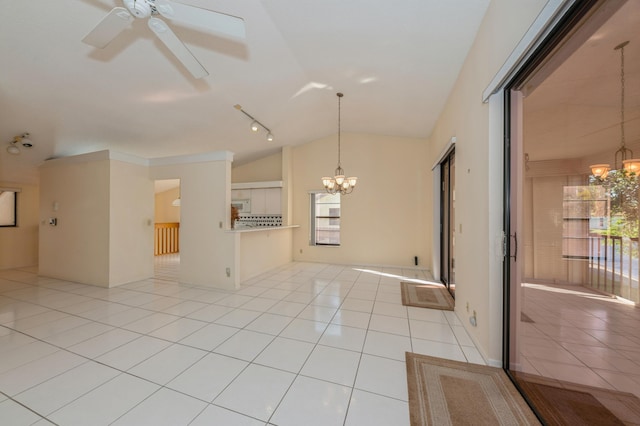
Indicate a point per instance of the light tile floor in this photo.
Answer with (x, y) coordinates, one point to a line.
(304, 344)
(580, 336)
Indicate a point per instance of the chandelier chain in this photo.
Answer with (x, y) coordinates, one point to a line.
(622, 95)
(339, 99)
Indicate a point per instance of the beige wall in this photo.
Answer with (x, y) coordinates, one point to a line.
(77, 249)
(265, 169)
(19, 245)
(164, 211)
(478, 171)
(104, 234)
(130, 223)
(261, 251)
(206, 250)
(384, 220)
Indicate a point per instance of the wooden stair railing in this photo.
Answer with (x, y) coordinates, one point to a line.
(167, 238)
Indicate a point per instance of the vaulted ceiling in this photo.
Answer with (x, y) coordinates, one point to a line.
(395, 61)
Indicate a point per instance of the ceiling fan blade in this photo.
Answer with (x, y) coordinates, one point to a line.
(111, 25)
(173, 43)
(202, 18)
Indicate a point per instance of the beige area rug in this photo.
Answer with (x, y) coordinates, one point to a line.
(431, 296)
(444, 392)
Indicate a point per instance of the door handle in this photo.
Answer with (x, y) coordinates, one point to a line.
(515, 243)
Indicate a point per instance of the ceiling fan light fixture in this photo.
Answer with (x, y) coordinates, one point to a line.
(23, 140)
(139, 9)
(120, 18)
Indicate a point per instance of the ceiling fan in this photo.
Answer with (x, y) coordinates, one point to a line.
(119, 18)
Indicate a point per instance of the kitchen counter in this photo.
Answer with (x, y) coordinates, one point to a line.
(260, 228)
(259, 249)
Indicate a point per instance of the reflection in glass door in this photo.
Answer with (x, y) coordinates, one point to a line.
(447, 236)
(571, 234)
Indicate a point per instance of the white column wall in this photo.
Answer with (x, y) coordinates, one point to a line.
(206, 250)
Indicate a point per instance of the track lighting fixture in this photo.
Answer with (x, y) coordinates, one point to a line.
(255, 124)
(23, 140)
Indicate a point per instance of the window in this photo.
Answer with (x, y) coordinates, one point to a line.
(325, 219)
(8, 205)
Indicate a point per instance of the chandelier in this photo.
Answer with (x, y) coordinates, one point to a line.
(339, 183)
(623, 156)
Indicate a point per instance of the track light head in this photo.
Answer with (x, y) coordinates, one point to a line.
(255, 124)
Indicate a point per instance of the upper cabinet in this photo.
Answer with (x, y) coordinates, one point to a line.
(273, 200)
(266, 197)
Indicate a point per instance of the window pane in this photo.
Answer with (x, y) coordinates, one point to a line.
(326, 219)
(328, 231)
(7, 208)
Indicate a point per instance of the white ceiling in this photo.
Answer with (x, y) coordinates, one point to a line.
(395, 61)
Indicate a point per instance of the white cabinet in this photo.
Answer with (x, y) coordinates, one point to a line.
(274, 200)
(263, 200)
(240, 194)
(259, 201)
(266, 197)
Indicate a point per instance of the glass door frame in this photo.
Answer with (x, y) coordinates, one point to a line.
(447, 221)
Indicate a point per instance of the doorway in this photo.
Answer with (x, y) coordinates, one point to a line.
(448, 228)
(168, 203)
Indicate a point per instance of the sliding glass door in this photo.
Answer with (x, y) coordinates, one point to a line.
(571, 232)
(448, 213)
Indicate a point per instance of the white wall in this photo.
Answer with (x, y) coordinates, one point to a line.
(19, 245)
(478, 170)
(131, 223)
(206, 250)
(104, 232)
(385, 220)
(77, 249)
